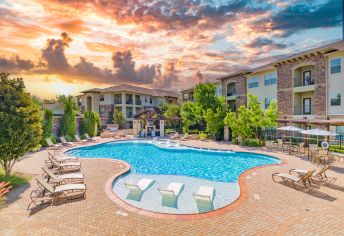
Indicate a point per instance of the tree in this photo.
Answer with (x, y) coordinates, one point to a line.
(215, 121)
(119, 119)
(187, 112)
(256, 114)
(239, 123)
(47, 125)
(271, 115)
(68, 123)
(172, 110)
(90, 123)
(162, 107)
(20, 119)
(205, 97)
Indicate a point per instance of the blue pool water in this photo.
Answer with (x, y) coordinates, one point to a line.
(147, 158)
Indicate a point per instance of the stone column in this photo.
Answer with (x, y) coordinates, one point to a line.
(226, 133)
(162, 128)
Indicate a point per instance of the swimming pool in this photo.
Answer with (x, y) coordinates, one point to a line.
(157, 158)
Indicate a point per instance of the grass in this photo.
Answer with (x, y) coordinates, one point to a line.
(15, 180)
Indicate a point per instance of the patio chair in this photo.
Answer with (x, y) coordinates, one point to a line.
(270, 145)
(320, 175)
(322, 155)
(64, 141)
(90, 139)
(205, 193)
(294, 179)
(51, 193)
(57, 179)
(185, 137)
(79, 140)
(141, 186)
(64, 166)
(312, 150)
(172, 190)
(297, 148)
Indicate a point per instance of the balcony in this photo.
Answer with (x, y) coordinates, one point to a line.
(304, 110)
(118, 101)
(129, 101)
(305, 81)
(138, 102)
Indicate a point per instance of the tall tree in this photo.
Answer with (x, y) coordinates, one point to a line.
(119, 119)
(256, 114)
(187, 112)
(20, 122)
(68, 123)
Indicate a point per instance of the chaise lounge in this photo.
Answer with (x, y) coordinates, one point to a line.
(205, 193)
(320, 175)
(294, 179)
(172, 190)
(141, 186)
(57, 179)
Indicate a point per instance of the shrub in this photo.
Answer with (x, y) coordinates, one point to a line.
(336, 148)
(90, 123)
(235, 141)
(69, 138)
(170, 131)
(194, 131)
(119, 119)
(68, 123)
(202, 136)
(47, 126)
(251, 143)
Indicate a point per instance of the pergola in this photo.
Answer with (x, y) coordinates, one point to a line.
(150, 117)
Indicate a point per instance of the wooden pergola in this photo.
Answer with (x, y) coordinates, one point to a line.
(151, 116)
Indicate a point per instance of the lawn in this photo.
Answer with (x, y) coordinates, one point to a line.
(15, 180)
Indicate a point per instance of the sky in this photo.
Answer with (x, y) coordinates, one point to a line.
(66, 46)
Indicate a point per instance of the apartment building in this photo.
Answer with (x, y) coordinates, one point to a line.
(188, 94)
(129, 99)
(308, 86)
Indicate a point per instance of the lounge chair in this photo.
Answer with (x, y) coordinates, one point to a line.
(320, 175)
(175, 136)
(79, 140)
(185, 137)
(65, 166)
(64, 141)
(172, 190)
(63, 157)
(294, 179)
(52, 146)
(45, 190)
(90, 139)
(205, 193)
(62, 178)
(141, 185)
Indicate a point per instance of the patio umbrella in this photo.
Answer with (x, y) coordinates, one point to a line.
(290, 129)
(319, 132)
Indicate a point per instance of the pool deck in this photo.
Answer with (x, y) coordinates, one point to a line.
(266, 208)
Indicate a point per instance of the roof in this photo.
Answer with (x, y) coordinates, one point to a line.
(328, 48)
(235, 73)
(135, 89)
(152, 115)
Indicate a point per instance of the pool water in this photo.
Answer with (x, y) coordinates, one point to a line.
(149, 158)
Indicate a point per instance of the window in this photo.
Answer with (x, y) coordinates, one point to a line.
(336, 66)
(253, 83)
(185, 96)
(336, 99)
(150, 100)
(270, 79)
(267, 102)
(101, 98)
(118, 98)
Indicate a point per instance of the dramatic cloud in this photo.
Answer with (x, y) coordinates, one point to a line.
(306, 15)
(262, 42)
(15, 64)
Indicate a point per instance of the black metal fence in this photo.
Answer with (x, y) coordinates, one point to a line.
(336, 142)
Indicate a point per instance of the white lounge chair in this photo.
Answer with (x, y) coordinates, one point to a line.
(65, 166)
(173, 189)
(79, 140)
(52, 146)
(64, 141)
(205, 194)
(62, 157)
(141, 185)
(60, 178)
(90, 139)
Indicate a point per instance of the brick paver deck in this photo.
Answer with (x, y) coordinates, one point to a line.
(269, 209)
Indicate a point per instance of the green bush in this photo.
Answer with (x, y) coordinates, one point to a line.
(69, 138)
(235, 141)
(90, 123)
(194, 131)
(170, 131)
(47, 126)
(336, 148)
(202, 136)
(251, 143)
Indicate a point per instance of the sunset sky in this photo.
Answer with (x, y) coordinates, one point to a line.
(65, 46)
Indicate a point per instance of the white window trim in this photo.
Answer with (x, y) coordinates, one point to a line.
(341, 98)
(341, 65)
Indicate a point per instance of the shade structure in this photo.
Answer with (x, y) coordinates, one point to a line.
(319, 132)
(290, 128)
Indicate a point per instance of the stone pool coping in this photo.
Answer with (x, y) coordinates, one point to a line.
(195, 216)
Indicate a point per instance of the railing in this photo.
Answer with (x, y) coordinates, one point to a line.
(304, 81)
(138, 102)
(118, 101)
(304, 110)
(129, 101)
(231, 93)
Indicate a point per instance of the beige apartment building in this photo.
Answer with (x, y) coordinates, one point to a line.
(308, 87)
(129, 99)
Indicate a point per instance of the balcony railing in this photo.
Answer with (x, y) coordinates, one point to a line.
(306, 81)
(118, 101)
(231, 93)
(138, 102)
(304, 110)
